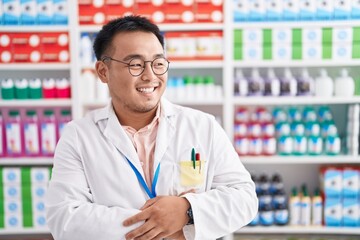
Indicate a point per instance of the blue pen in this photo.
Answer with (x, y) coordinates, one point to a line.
(193, 158)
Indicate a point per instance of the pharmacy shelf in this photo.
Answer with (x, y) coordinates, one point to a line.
(296, 63)
(297, 100)
(300, 230)
(36, 103)
(177, 64)
(212, 102)
(168, 27)
(20, 161)
(34, 28)
(298, 24)
(322, 159)
(34, 66)
(30, 231)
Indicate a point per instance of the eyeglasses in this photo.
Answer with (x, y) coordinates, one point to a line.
(136, 66)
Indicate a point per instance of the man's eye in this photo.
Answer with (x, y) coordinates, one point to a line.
(135, 65)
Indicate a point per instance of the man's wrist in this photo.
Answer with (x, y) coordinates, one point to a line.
(189, 213)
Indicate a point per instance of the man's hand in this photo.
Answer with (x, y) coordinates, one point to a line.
(163, 216)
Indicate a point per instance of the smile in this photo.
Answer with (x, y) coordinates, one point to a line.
(146, 90)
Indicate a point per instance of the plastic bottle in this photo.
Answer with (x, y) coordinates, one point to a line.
(35, 88)
(344, 85)
(316, 208)
(305, 84)
(31, 134)
(2, 136)
(276, 183)
(48, 133)
(49, 90)
(305, 207)
(65, 117)
(21, 88)
(62, 86)
(14, 134)
(241, 83)
(86, 52)
(295, 207)
(281, 215)
(266, 215)
(7, 89)
(209, 87)
(271, 84)
(288, 84)
(88, 83)
(255, 83)
(324, 85)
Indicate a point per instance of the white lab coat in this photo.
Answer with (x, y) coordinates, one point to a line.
(93, 188)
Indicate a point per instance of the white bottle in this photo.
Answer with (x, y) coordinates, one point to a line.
(241, 83)
(271, 84)
(86, 54)
(344, 85)
(324, 85)
(88, 82)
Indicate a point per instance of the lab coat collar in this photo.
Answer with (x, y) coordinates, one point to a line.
(109, 124)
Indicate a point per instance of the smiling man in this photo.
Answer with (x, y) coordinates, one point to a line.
(142, 167)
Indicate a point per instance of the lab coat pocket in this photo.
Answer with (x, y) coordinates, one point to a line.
(190, 175)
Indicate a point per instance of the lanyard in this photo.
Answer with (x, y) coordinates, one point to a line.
(151, 193)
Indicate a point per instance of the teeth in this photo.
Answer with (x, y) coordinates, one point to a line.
(146, 90)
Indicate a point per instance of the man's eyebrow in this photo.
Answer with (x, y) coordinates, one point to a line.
(131, 56)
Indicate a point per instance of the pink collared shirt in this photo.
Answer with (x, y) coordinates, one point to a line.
(144, 142)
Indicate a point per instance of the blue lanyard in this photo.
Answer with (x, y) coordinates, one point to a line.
(151, 193)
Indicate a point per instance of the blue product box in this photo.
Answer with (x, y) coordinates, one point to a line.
(342, 9)
(333, 212)
(241, 10)
(256, 10)
(355, 10)
(290, 10)
(44, 12)
(333, 183)
(324, 10)
(307, 10)
(273, 10)
(11, 12)
(351, 212)
(351, 183)
(60, 8)
(28, 12)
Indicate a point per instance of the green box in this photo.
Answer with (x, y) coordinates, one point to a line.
(238, 36)
(326, 51)
(356, 34)
(357, 86)
(296, 36)
(327, 36)
(356, 50)
(238, 53)
(267, 36)
(267, 51)
(296, 52)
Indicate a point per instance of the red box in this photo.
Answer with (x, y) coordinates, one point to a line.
(55, 47)
(179, 13)
(91, 14)
(6, 48)
(209, 11)
(26, 47)
(113, 11)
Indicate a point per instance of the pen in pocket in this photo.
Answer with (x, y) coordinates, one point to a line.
(193, 157)
(198, 159)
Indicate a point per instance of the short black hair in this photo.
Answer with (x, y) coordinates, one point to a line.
(124, 24)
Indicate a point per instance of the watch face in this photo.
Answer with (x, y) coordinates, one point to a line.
(190, 215)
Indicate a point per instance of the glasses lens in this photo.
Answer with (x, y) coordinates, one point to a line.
(136, 66)
(160, 66)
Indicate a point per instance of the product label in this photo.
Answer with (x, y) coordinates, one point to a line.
(31, 138)
(48, 138)
(13, 138)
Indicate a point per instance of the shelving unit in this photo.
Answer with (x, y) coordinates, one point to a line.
(306, 166)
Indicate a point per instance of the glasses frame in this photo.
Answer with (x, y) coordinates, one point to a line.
(143, 69)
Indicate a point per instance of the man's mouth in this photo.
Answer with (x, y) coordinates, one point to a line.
(146, 90)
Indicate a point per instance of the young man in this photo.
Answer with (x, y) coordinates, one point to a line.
(142, 167)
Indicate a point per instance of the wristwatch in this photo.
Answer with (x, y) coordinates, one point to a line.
(190, 215)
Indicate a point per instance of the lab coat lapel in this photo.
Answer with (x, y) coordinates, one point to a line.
(118, 137)
(166, 131)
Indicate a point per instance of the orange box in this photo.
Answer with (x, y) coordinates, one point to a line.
(6, 48)
(209, 45)
(208, 11)
(178, 13)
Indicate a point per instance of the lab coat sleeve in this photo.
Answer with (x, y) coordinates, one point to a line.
(71, 213)
(231, 203)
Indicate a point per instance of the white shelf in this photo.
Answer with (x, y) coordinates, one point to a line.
(298, 24)
(298, 100)
(36, 103)
(24, 231)
(213, 102)
(296, 63)
(168, 27)
(34, 66)
(26, 161)
(299, 230)
(34, 28)
(322, 159)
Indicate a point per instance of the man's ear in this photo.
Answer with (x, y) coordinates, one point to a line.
(102, 71)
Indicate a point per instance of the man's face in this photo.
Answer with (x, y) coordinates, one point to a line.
(141, 93)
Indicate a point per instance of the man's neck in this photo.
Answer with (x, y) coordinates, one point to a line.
(136, 120)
